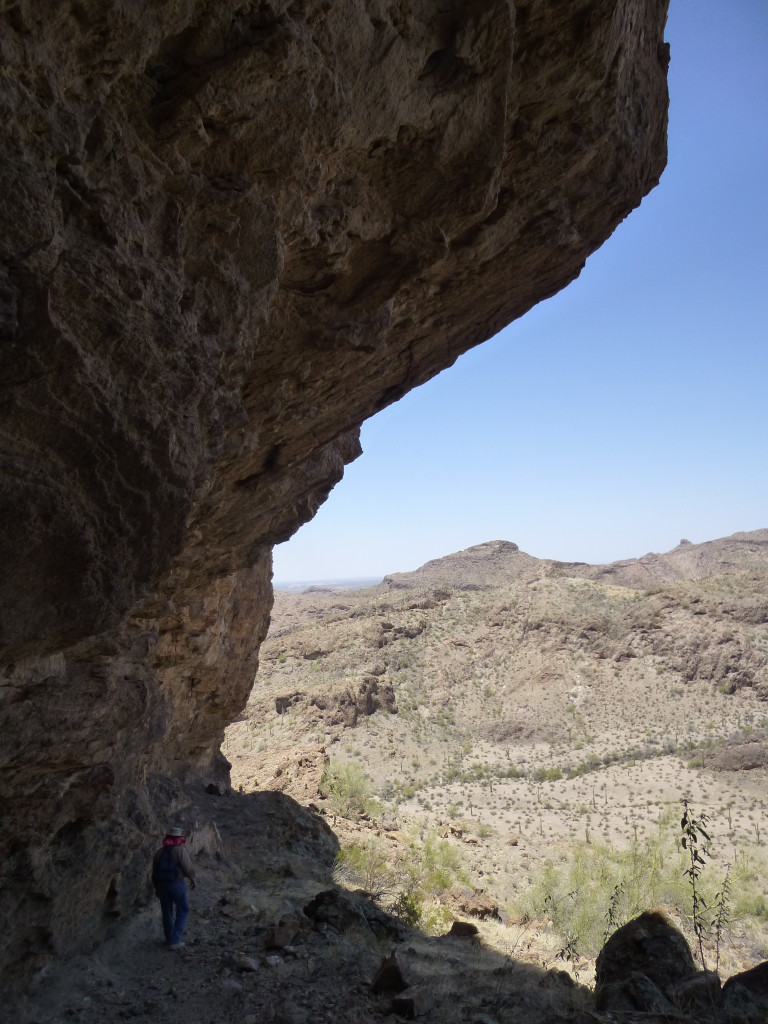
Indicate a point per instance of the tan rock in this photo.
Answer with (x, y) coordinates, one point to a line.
(466, 900)
(297, 774)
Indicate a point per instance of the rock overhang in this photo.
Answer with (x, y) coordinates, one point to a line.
(236, 233)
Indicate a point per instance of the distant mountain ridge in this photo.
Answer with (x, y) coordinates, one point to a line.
(308, 586)
(492, 564)
(499, 562)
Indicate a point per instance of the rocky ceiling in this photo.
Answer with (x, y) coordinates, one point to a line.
(230, 232)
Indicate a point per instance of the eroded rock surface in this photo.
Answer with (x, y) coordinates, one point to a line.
(230, 232)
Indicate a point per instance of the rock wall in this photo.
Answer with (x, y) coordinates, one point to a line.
(231, 231)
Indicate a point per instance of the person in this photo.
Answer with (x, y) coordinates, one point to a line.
(170, 866)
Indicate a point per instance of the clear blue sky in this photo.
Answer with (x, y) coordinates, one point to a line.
(625, 413)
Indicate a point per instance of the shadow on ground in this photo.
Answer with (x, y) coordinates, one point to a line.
(261, 858)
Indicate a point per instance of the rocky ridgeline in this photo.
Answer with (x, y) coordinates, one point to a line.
(498, 562)
(699, 612)
(482, 566)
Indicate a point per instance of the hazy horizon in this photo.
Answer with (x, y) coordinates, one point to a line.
(346, 582)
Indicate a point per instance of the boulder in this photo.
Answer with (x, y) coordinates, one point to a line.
(342, 911)
(393, 975)
(464, 930)
(698, 995)
(244, 963)
(635, 991)
(557, 981)
(466, 900)
(650, 945)
(414, 1002)
(745, 997)
(284, 933)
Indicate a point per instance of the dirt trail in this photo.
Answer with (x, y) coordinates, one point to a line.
(245, 884)
(270, 857)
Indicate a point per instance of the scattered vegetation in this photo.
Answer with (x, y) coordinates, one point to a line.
(349, 790)
(597, 888)
(408, 880)
(577, 892)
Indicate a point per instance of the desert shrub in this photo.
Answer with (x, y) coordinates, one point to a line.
(553, 774)
(749, 884)
(365, 865)
(576, 894)
(424, 871)
(591, 764)
(599, 881)
(408, 789)
(408, 907)
(349, 790)
(409, 879)
(433, 867)
(475, 773)
(752, 904)
(435, 918)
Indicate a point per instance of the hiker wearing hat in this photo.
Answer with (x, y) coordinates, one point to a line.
(170, 866)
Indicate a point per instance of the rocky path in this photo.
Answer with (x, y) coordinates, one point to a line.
(271, 939)
(252, 955)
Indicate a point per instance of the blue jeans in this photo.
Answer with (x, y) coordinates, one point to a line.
(174, 896)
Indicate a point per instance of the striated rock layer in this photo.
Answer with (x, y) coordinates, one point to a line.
(230, 232)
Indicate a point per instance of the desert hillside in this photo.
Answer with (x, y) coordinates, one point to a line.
(524, 710)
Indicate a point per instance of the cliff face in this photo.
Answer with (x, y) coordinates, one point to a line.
(231, 232)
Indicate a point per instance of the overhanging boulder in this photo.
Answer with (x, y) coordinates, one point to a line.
(231, 232)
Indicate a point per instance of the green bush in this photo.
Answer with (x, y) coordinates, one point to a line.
(408, 907)
(365, 865)
(426, 871)
(408, 879)
(348, 789)
(749, 883)
(434, 867)
(577, 893)
(598, 880)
